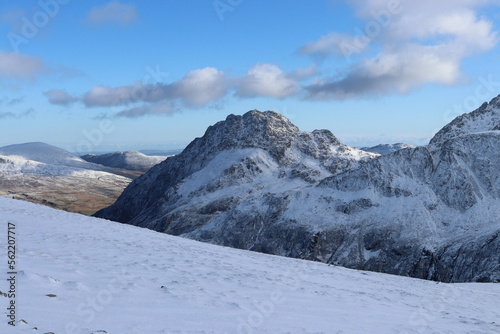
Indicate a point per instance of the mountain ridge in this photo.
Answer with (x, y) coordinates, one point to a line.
(257, 131)
(422, 212)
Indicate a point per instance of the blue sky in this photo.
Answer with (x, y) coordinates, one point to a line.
(119, 75)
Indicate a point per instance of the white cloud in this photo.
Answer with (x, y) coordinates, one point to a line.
(397, 72)
(195, 89)
(144, 110)
(105, 96)
(304, 73)
(416, 42)
(113, 12)
(60, 97)
(333, 44)
(199, 87)
(14, 65)
(266, 80)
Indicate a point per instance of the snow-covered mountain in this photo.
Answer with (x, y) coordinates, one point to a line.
(241, 155)
(257, 182)
(47, 155)
(131, 160)
(46, 174)
(484, 119)
(83, 275)
(386, 148)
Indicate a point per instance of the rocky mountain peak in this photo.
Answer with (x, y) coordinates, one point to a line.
(242, 148)
(275, 134)
(267, 130)
(485, 118)
(267, 123)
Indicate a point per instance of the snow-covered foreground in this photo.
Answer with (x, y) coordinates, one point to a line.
(78, 274)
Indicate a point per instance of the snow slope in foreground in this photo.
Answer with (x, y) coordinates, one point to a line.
(123, 279)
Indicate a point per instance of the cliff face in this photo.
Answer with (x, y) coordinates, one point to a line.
(257, 182)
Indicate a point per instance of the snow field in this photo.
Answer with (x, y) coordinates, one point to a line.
(78, 274)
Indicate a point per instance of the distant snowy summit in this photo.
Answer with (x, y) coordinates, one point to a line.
(45, 174)
(386, 148)
(50, 159)
(257, 182)
(130, 160)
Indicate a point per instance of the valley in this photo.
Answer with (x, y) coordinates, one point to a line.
(45, 174)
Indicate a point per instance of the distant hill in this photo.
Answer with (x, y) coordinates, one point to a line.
(46, 174)
(162, 152)
(47, 154)
(131, 160)
(384, 149)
